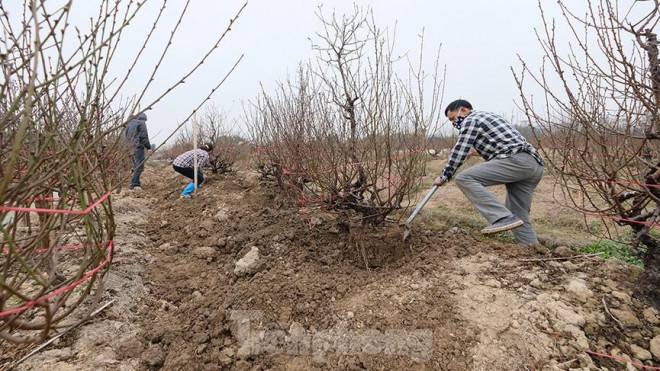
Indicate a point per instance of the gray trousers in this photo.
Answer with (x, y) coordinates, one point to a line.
(520, 173)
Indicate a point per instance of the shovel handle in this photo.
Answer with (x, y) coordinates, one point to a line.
(421, 204)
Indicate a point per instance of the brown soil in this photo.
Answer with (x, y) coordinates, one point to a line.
(338, 297)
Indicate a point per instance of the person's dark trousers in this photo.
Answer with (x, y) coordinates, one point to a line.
(138, 167)
(190, 173)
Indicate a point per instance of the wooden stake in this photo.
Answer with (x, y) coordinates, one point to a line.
(194, 123)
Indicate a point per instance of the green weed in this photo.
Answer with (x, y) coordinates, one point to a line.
(616, 249)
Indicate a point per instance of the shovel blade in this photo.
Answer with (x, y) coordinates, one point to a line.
(406, 233)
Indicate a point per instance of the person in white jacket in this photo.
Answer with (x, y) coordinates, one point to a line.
(185, 165)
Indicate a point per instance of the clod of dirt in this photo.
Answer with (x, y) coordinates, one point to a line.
(655, 347)
(546, 304)
(226, 355)
(651, 316)
(640, 353)
(198, 296)
(168, 248)
(153, 357)
(248, 263)
(626, 316)
(622, 297)
(316, 221)
(204, 252)
(580, 339)
(131, 348)
(222, 215)
(578, 289)
(564, 251)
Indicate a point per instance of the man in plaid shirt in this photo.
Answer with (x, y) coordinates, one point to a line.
(185, 165)
(510, 160)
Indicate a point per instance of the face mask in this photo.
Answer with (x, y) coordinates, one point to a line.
(457, 123)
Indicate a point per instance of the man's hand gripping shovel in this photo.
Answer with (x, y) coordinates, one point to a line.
(419, 207)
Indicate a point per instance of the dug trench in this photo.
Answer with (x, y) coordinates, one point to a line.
(239, 278)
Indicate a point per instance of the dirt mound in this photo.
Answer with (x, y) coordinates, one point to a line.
(240, 277)
(323, 294)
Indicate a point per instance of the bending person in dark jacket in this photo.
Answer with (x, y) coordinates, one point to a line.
(137, 136)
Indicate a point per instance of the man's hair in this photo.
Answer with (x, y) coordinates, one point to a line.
(453, 106)
(207, 147)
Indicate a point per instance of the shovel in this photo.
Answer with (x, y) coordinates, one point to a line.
(419, 207)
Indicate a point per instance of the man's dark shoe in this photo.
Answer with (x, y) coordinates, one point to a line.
(504, 224)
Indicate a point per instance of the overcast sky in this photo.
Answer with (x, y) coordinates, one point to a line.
(480, 43)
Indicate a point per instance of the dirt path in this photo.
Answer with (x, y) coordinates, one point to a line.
(443, 301)
(102, 343)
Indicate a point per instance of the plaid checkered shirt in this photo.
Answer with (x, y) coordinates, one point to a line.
(492, 136)
(187, 159)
